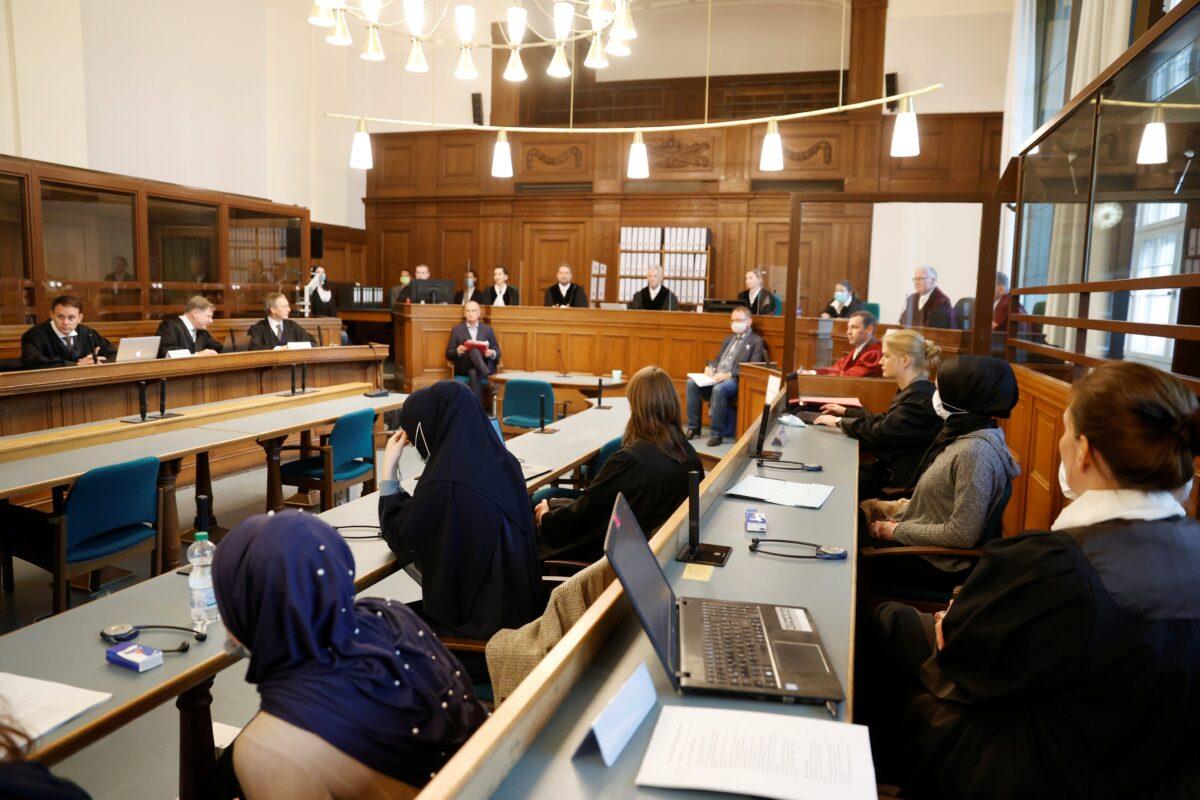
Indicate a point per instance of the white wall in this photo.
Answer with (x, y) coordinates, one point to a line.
(908, 235)
(228, 95)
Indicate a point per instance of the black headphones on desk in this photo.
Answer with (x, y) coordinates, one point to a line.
(824, 552)
(124, 632)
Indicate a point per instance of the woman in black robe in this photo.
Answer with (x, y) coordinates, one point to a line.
(467, 527)
(1069, 664)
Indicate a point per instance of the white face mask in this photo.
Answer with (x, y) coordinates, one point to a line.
(421, 435)
(739, 327)
(941, 409)
(470, 283)
(235, 649)
(1067, 491)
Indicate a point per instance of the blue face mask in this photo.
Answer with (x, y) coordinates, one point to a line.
(842, 297)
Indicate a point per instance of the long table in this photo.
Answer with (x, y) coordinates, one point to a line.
(526, 747)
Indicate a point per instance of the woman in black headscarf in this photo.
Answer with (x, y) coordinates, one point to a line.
(960, 480)
(467, 527)
(359, 699)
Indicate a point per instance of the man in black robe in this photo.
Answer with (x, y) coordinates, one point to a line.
(654, 296)
(276, 331)
(565, 294)
(189, 330)
(63, 340)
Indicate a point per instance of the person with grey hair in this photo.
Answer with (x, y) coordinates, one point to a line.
(189, 331)
(742, 345)
(277, 331)
(928, 306)
(654, 296)
(1005, 304)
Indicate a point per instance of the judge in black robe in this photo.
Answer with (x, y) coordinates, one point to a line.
(467, 527)
(263, 337)
(174, 335)
(1070, 666)
(654, 296)
(564, 293)
(41, 346)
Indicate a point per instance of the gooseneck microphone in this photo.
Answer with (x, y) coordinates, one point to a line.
(693, 552)
(142, 399)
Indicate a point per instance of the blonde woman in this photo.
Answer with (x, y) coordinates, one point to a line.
(899, 437)
(651, 470)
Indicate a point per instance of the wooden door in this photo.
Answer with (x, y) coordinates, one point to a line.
(546, 245)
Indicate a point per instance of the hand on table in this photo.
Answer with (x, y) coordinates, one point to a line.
(207, 352)
(540, 509)
(826, 419)
(884, 529)
(87, 360)
(833, 409)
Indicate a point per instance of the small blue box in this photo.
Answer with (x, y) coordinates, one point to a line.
(134, 656)
(756, 521)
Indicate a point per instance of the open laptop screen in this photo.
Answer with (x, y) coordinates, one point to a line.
(643, 581)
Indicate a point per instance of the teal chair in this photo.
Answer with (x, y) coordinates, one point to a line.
(111, 511)
(588, 472)
(778, 304)
(873, 308)
(522, 406)
(345, 457)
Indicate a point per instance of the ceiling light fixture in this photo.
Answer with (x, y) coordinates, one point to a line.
(906, 142)
(416, 58)
(639, 159)
(374, 48)
(360, 148)
(595, 56)
(617, 47)
(414, 16)
(1153, 147)
(771, 159)
(340, 35)
(559, 68)
(623, 28)
(321, 16)
(502, 157)
(515, 70)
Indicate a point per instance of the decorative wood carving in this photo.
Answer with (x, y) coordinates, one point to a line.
(823, 147)
(674, 154)
(536, 153)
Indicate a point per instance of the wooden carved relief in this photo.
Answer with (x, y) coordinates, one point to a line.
(537, 154)
(823, 147)
(674, 154)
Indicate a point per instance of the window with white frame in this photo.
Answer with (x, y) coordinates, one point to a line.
(1157, 250)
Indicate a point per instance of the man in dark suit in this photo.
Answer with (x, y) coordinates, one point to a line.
(189, 331)
(654, 296)
(1005, 304)
(405, 296)
(756, 297)
(928, 306)
(565, 294)
(473, 363)
(742, 345)
(120, 272)
(500, 293)
(277, 330)
(62, 340)
(471, 293)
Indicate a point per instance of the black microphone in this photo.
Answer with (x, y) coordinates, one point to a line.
(303, 377)
(142, 399)
(92, 347)
(693, 552)
(293, 378)
(203, 512)
(162, 398)
(693, 510)
(375, 392)
(541, 412)
(320, 336)
(232, 340)
(600, 393)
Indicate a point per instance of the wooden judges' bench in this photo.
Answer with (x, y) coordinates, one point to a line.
(599, 341)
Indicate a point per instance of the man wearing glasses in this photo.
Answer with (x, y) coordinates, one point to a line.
(928, 306)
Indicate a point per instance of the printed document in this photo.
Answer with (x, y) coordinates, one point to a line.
(782, 493)
(38, 707)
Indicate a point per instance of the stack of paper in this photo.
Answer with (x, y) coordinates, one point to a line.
(766, 755)
(782, 493)
(700, 379)
(38, 707)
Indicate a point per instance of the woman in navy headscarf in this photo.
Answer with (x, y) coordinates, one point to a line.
(467, 527)
(359, 699)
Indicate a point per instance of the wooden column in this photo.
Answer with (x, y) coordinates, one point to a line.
(273, 447)
(985, 280)
(168, 473)
(868, 29)
(791, 289)
(196, 748)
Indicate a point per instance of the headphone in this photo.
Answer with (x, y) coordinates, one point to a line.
(824, 552)
(124, 632)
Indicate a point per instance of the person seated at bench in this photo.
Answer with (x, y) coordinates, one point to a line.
(758, 299)
(654, 296)
(1066, 666)
(467, 526)
(359, 698)
(961, 477)
(189, 331)
(865, 351)
(898, 438)
(470, 293)
(564, 293)
(844, 302)
(63, 340)
(276, 331)
(928, 306)
(421, 273)
(473, 364)
(501, 292)
(742, 345)
(651, 470)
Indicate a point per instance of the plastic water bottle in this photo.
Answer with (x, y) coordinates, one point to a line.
(200, 581)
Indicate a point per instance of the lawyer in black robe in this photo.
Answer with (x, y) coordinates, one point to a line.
(467, 527)
(511, 296)
(897, 438)
(664, 301)
(575, 297)
(262, 336)
(41, 347)
(175, 336)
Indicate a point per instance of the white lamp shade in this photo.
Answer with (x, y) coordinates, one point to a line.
(416, 58)
(639, 160)
(599, 14)
(360, 149)
(465, 71)
(464, 22)
(502, 158)
(321, 16)
(623, 28)
(564, 15)
(518, 21)
(371, 9)
(330, 4)
(1153, 147)
(595, 57)
(340, 35)
(515, 71)
(414, 16)
(617, 47)
(906, 142)
(771, 159)
(374, 49)
(559, 68)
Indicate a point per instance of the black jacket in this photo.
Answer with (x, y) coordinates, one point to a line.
(764, 305)
(753, 348)
(476, 295)
(899, 437)
(511, 297)
(175, 337)
(459, 334)
(653, 483)
(854, 305)
(263, 338)
(666, 300)
(320, 308)
(41, 347)
(576, 297)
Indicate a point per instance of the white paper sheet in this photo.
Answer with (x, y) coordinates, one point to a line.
(782, 493)
(751, 752)
(38, 707)
(701, 380)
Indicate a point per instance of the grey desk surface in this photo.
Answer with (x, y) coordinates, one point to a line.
(573, 379)
(64, 466)
(68, 648)
(577, 436)
(548, 769)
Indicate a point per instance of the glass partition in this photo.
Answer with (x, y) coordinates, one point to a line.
(16, 293)
(263, 248)
(183, 254)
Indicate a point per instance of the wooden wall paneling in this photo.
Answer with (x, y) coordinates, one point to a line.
(730, 259)
(735, 172)
(810, 151)
(605, 246)
(951, 158)
(1032, 434)
(461, 167)
(686, 155)
(495, 239)
(865, 141)
(458, 247)
(545, 246)
(609, 172)
(868, 33)
(553, 159)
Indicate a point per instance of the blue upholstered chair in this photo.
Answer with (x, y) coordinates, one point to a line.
(522, 406)
(110, 512)
(346, 456)
(872, 307)
(587, 473)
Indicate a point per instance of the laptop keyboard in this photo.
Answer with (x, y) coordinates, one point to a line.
(735, 647)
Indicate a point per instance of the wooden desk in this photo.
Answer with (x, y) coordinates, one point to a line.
(599, 341)
(574, 388)
(875, 393)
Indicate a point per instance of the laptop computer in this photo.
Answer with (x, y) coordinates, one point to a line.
(138, 348)
(720, 646)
